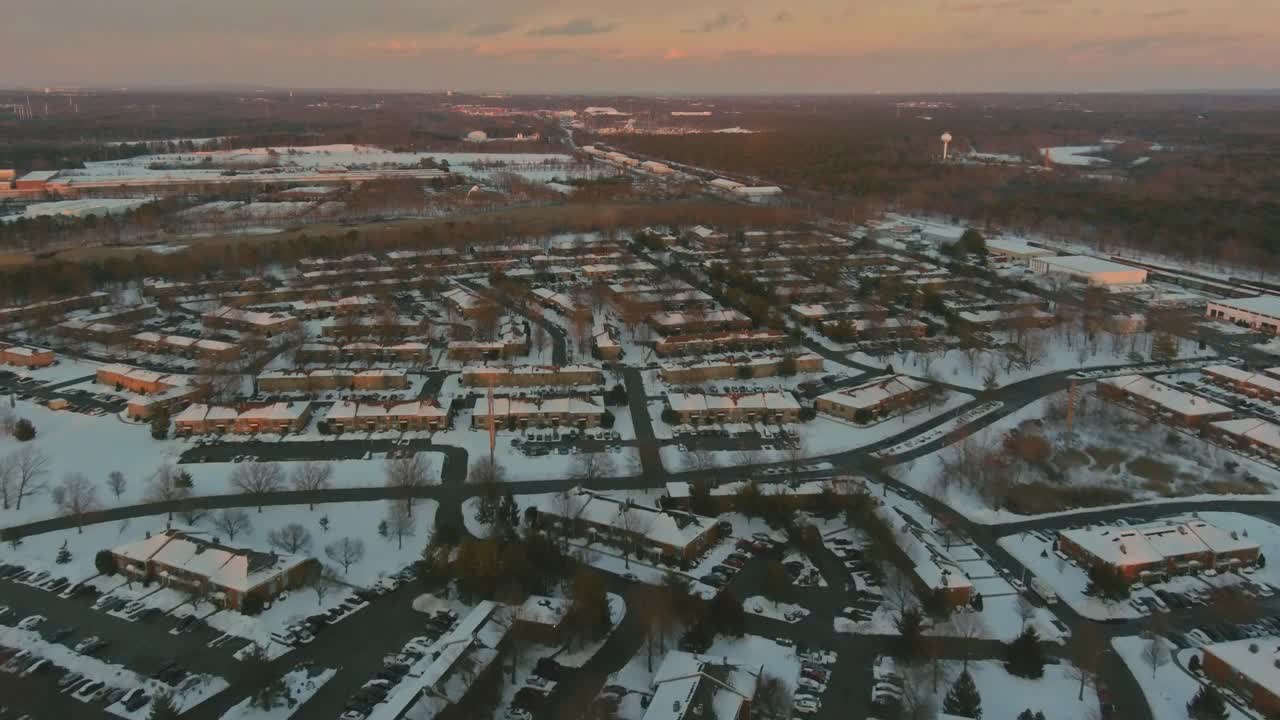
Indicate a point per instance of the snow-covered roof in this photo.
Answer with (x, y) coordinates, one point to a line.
(1014, 246)
(1114, 546)
(277, 411)
(234, 568)
(665, 527)
(698, 402)
(1235, 374)
(872, 394)
(1257, 659)
(702, 686)
(1172, 399)
(677, 319)
(1268, 305)
(543, 610)
(1086, 265)
(505, 406)
(1154, 543)
(1258, 431)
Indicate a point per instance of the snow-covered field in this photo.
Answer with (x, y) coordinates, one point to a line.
(1076, 155)
(1059, 354)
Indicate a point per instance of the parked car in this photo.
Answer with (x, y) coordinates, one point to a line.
(30, 622)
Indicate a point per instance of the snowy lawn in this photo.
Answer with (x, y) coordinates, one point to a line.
(300, 683)
(1004, 695)
(1168, 688)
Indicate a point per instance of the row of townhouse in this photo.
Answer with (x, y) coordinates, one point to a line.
(342, 307)
(654, 531)
(347, 416)
(303, 381)
(225, 575)
(721, 342)
(350, 327)
(697, 408)
(688, 323)
(48, 310)
(233, 318)
(559, 302)
(512, 340)
(606, 342)
(325, 353)
(531, 375)
(188, 347)
(151, 390)
(744, 366)
(519, 412)
(248, 419)
(1167, 403)
(1265, 385)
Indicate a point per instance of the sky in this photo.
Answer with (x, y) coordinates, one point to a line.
(647, 46)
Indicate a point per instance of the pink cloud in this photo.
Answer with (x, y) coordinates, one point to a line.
(675, 54)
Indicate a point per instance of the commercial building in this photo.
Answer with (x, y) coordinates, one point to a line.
(226, 575)
(697, 408)
(1250, 667)
(1167, 403)
(695, 371)
(24, 356)
(531, 375)
(877, 398)
(1259, 313)
(35, 180)
(689, 687)
(1091, 270)
(513, 413)
(1151, 553)
(1017, 251)
(653, 531)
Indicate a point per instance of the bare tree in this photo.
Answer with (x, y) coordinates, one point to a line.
(311, 476)
(967, 626)
(292, 538)
(257, 479)
(634, 523)
(797, 453)
(30, 467)
(409, 474)
(116, 483)
(400, 522)
(8, 479)
(232, 521)
(346, 551)
(75, 496)
(1085, 649)
(1155, 652)
(164, 486)
(321, 579)
(919, 701)
(590, 467)
(1026, 611)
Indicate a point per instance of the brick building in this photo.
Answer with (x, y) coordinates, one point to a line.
(1250, 667)
(1162, 401)
(1157, 551)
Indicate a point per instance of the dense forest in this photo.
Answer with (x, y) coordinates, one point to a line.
(1210, 191)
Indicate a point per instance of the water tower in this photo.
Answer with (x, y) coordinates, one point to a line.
(946, 143)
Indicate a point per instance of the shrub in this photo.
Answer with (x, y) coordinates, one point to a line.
(24, 431)
(105, 562)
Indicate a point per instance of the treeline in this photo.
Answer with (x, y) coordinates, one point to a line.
(54, 277)
(1211, 196)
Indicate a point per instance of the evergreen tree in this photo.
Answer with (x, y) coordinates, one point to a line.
(1023, 656)
(163, 707)
(963, 698)
(23, 430)
(1207, 704)
(726, 615)
(911, 630)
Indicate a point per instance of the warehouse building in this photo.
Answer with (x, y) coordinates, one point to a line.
(1091, 270)
(1260, 313)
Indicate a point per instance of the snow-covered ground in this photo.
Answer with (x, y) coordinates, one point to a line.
(1059, 354)
(359, 521)
(1004, 696)
(1067, 580)
(1075, 155)
(300, 684)
(1168, 688)
(190, 693)
(780, 611)
(941, 431)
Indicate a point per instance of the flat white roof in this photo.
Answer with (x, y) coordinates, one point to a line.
(1235, 374)
(1268, 305)
(1258, 659)
(1085, 264)
(1259, 431)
